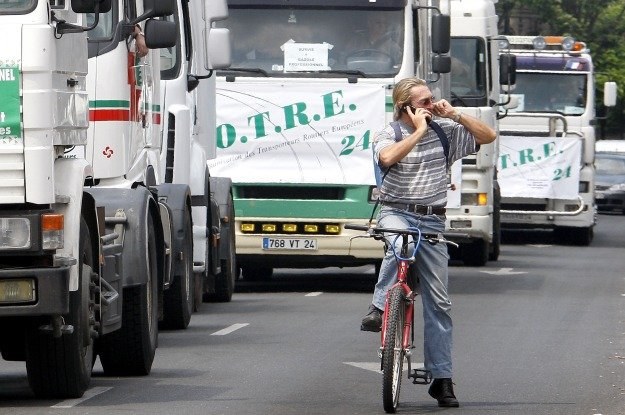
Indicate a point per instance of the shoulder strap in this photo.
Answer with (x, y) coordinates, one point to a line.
(441, 136)
(379, 174)
(397, 130)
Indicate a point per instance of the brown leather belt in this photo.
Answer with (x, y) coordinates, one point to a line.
(419, 209)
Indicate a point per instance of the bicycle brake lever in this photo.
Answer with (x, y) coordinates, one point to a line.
(448, 242)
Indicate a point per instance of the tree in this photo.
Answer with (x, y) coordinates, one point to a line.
(599, 23)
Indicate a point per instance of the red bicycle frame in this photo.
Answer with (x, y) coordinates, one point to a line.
(402, 274)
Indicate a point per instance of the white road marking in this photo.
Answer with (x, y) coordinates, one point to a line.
(230, 329)
(504, 271)
(313, 294)
(375, 366)
(89, 393)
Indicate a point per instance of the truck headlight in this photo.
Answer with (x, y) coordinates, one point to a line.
(14, 233)
(52, 231)
(473, 199)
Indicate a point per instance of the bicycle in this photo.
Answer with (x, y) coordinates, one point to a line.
(397, 334)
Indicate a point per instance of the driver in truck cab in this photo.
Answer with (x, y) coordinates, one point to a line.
(377, 39)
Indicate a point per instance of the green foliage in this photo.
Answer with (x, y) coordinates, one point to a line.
(599, 23)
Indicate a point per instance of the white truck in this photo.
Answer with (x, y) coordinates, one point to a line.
(547, 147)
(307, 89)
(96, 242)
(188, 103)
(473, 208)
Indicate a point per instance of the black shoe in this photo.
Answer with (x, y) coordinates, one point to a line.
(443, 391)
(373, 320)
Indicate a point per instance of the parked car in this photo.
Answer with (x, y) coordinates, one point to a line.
(610, 181)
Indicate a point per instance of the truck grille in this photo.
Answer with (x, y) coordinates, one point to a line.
(12, 185)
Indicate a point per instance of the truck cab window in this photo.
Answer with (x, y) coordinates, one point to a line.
(468, 68)
(370, 41)
(16, 6)
(104, 29)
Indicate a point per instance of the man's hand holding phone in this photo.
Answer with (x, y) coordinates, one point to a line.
(418, 115)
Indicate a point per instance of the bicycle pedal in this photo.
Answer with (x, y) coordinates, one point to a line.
(420, 376)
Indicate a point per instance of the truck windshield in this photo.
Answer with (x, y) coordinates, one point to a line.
(543, 92)
(468, 68)
(309, 41)
(16, 6)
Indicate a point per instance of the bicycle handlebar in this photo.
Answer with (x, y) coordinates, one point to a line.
(431, 237)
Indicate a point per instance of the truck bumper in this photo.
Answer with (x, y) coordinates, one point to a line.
(475, 227)
(331, 250)
(51, 291)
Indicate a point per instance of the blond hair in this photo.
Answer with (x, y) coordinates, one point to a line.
(401, 94)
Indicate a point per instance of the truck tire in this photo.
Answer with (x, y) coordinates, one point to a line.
(60, 368)
(256, 273)
(130, 350)
(566, 235)
(198, 290)
(475, 253)
(495, 246)
(178, 299)
(225, 281)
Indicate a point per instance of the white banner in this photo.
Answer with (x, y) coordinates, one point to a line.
(297, 132)
(539, 167)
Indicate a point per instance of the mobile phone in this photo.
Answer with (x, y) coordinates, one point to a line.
(428, 119)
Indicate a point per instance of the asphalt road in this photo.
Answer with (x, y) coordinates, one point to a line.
(541, 331)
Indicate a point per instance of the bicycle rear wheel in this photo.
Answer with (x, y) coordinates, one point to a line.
(393, 351)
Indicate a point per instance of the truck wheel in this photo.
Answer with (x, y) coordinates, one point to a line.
(178, 299)
(225, 281)
(475, 253)
(495, 246)
(574, 236)
(60, 368)
(198, 290)
(130, 350)
(256, 273)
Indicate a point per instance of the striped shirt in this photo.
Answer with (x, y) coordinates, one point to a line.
(421, 176)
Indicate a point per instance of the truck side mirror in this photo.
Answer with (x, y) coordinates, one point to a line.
(441, 34)
(89, 6)
(507, 69)
(157, 8)
(219, 53)
(160, 34)
(441, 64)
(609, 94)
(217, 46)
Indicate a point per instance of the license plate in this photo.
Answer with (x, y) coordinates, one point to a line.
(515, 216)
(289, 243)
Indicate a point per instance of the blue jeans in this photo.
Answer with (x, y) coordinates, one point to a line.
(432, 264)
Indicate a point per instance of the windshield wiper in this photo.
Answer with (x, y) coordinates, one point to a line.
(251, 70)
(346, 72)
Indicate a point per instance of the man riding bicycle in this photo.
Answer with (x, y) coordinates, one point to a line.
(413, 193)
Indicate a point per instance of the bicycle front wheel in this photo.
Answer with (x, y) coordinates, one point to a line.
(393, 351)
